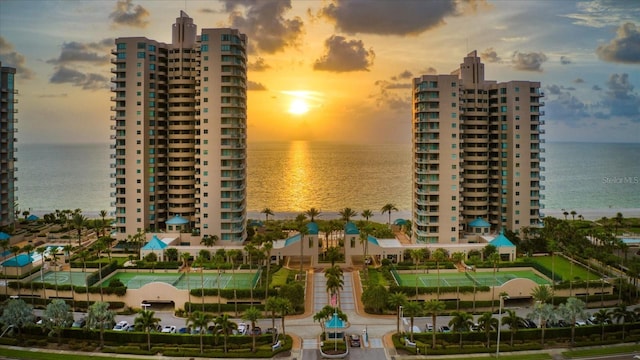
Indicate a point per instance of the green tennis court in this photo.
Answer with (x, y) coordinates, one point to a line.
(76, 278)
(135, 280)
(466, 278)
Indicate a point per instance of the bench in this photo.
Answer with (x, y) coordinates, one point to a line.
(276, 346)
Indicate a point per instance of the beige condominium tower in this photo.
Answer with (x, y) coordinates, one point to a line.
(179, 132)
(8, 170)
(476, 153)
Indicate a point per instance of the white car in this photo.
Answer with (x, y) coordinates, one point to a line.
(121, 326)
(243, 329)
(169, 329)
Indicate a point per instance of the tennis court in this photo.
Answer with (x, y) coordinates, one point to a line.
(135, 280)
(77, 278)
(466, 278)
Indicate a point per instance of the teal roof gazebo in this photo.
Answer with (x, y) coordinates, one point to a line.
(176, 223)
(479, 226)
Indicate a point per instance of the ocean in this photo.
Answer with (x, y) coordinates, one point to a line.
(291, 177)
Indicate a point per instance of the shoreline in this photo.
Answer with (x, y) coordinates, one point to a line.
(588, 214)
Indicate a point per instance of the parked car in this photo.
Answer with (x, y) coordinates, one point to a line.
(243, 329)
(121, 326)
(428, 328)
(169, 329)
(80, 323)
(354, 340)
(445, 329)
(271, 331)
(183, 330)
(475, 327)
(581, 323)
(256, 331)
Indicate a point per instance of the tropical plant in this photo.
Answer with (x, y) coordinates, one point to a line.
(572, 310)
(514, 322)
(103, 214)
(16, 314)
(376, 297)
(494, 258)
(622, 316)
(224, 326)
(487, 323)
(439, 255)
(541, 293)
(433, 308)
(79, 222)
(312, 213)
(56, 317)
(388, 208)
(267, 212)
(200, 320)
(98, 317)
(544, 313)
(346, 214)
(252, 314)
(460, 322)
(602, 317)
(146, 321)
(271, 305)
(412, 309)
(366, 214)
(267, 246)
(397, 300)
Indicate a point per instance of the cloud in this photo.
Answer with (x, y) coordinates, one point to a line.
(403, 75)
(128, 14)
(344, 55)
(255, 86)
(620, 98)
(384, 98)
(564, 60)
(528, 61)
(385, 17)
(79, 52)
(429, 71)
(11, 58)
(603, 13)
(490, 56)
(48, 96)
(264, 23)
(579, 81)
(258, 65)
(65, 75)
(625, 48)
(565, 107)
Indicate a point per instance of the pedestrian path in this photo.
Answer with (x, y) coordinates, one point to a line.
(347, 298)
(310, 343)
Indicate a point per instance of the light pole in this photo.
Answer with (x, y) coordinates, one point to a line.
(502, 299)
(401, 317)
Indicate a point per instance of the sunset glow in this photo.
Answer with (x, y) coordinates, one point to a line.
(298, 107)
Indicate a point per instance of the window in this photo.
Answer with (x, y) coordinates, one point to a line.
(141, 55)
(204, 48)
(204, 37)
(121, 46)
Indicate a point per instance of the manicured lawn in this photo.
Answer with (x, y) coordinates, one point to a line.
(563, 268)
(43, 355)
(608, 350)
(279, 278)
(507, 357)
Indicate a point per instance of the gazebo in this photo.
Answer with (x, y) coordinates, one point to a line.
(504, 246)
(335, 327)
(155, 245)
(479, 226)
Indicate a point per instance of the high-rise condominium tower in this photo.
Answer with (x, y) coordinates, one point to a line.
(476, 153)
(8, 170)
(180, 119)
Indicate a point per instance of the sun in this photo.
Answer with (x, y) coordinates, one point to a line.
(298, 107)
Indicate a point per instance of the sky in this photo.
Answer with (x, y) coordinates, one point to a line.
(336, 70)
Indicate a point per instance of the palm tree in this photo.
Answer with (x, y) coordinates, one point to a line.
(201, 260)
(271, 305)
(439, 255)
(346, 214)
(252, 314)
(388, 208)
(397, 300)
(572, 310)
(200, 320)
(78, 223)
(225, 326)
(98, 316)
(5, 244)
(284, 307)
(544, 313)
(460, 322)
(433, 308)
(185, 261)
(16, 250)
(146, 321)
(41, 250)
(494, 258)
(67, 250)
(412, 309)
(312, 213)
(487, 323)
(99, 247)
(267, 212)
(541, 293)
(603, 317)
(514, 322)
(233, 254)
(303, 231)
(267, 246)
(622, 316)
(103, 214)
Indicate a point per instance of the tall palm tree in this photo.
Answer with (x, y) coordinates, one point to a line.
(313, 213)
(16, 250)
(233, 254)
(67, 251)
(252, 314)
(201, 260)
(541, 293)
(412, 309)
(494, 258)
(79, 222)
(544, 313)
(267, 212)
(514, 322)
(366, 214)
(602, 317)
(5, 244)
(224, 326)
(185, 266)
(487, 323)
(622, 316)
(99, 247)
(397, 300)
(146, 321)
(433, 308)
(388, 208)
(200, 320)
(103, 214)
(460, 322)
(303, 232)
(267, 246)
(572, 310)
(98, 316)
(271, 305)
(41, 251)
(346, 214)
(283, 307)
(439, 255)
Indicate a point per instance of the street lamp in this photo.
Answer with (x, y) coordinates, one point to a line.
(502, 299)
